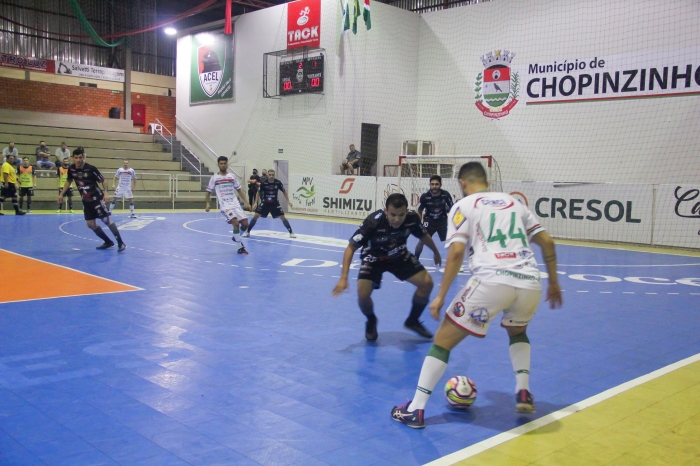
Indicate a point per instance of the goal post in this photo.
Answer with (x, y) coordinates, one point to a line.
(415, 172)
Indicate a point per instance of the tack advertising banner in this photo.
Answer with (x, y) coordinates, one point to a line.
(677, 215)
(598, 212)
(333, 195)
(211, 75)
(88, 71)
(27, 63)
(304, 24)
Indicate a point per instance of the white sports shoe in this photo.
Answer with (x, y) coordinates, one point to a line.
(292, 235)
(246, 234)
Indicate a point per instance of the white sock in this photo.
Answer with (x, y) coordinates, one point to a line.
(111, 207)
(131, 208)
(520, 358)
(430, 374)
(237, 237)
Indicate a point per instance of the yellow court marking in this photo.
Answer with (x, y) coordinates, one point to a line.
(654, 419)
(26, 271)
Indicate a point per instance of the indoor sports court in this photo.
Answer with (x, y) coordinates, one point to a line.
(180, 349)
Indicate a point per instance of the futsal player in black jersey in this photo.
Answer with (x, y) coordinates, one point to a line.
(267, 193)
(383, 236)
(87, 178)
(433, 207)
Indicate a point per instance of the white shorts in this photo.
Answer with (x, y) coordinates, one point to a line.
(477, 303)
(233, 211)
(123, 192)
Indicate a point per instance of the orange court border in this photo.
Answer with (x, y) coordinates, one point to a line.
(26, 269)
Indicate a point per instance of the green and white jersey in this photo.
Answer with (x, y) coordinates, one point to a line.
(497, 230)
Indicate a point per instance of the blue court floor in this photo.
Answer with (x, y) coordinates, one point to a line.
(246, 360)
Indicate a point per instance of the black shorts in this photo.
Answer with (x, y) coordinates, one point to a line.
(95, 209)
(69, 192)
(439, 227)
(403, 269)
(8, 193)
(274, 208)
(26, 191)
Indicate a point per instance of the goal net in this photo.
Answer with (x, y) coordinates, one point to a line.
(416, 170)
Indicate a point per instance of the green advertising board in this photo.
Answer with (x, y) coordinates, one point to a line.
(211, 77)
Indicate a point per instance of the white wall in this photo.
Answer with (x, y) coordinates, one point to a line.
(414, 75)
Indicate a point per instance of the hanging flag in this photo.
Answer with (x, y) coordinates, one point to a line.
(365, 15)
(355, 15)
(346, 16)
(227, 20)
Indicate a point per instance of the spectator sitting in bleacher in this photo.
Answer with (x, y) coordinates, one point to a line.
(11, 150)
(42, 158)
(62, 153)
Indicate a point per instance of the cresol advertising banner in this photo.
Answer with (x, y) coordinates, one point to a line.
(505, 80)
(88, 71)
(211, 75)
(333, 195)
(27, 63)
(599, 212)
(304, 24)
(677, 215)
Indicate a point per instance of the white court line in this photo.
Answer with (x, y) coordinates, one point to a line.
(275, 242)
(73, 295)
(557, 415)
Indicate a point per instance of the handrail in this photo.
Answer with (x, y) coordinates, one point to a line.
(216, 156)
(198, 169)
(160, 133)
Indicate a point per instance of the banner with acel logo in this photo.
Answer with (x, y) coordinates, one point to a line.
(211, 78)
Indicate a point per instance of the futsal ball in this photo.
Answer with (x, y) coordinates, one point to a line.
(460, 392)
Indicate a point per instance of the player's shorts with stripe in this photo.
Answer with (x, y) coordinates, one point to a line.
(10, 192)
(123, 192)
(27, 191)
(478, 303)
(233, 211)
(402, 268)
(69, 192)
(273, 208)
(93, 209)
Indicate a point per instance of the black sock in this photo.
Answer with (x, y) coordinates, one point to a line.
(115, 232)
(287, 225)
(101, 234)
(21, 201)
(418, 306)
(367, 308)
(70, 203)
(14, 205)
(29, 203)
(252, 224)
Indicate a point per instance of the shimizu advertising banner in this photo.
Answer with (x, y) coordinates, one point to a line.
(304, 24)
(677, 215)
(570, 79)
(599, 212)
(211, 76)
(88, 71)
(332, 195)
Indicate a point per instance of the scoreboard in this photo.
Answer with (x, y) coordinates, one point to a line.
(301, 76)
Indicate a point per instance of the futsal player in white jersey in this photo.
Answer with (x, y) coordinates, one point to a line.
(226, 185)
(124, 184)
(497, 231)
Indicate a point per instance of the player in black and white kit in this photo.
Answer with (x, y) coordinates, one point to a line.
(267, 194)
(87, 178)
(433, 207)
(383, 236)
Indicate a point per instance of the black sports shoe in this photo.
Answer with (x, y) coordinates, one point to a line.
(371, 329)
(105, 245)
(242, 250)
(417, 327)
(524, 402)
(19, 212)
(414, 419)
(122, 247)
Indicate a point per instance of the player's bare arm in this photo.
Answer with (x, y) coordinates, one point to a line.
(543, 240)
(289, 203)
(455, 256)
(342, 284)
(105, 193)
(428, 241)
(207, 197)
(241, 193)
